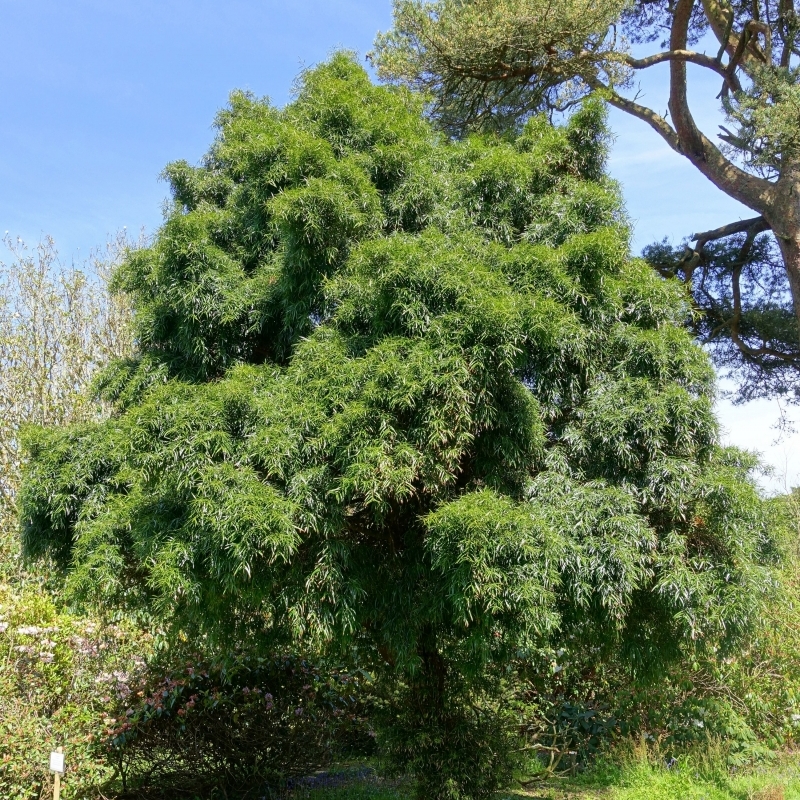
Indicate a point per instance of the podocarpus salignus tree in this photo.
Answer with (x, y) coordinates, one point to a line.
(407, 398)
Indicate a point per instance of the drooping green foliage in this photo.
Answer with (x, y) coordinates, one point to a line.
(408, 398)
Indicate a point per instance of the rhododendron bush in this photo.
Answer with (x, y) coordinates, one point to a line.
(252, 723)
(61, 678)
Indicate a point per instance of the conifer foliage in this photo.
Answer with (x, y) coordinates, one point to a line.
(409, 398)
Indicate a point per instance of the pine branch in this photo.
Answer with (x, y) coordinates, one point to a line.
(689, 56)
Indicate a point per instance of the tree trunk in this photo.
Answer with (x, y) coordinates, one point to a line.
(429, 696)
(790, 250)
(784, 219)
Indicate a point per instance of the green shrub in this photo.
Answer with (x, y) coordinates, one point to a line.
(61, 676)
(750, 696)
(576, 701)
(254, 722)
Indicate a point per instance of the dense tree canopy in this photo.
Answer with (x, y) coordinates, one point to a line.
(492, 63)
(408, 397)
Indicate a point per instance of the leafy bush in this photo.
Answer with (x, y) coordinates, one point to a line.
(574, 702)
(750, 696)
(60, 677)
(245, 726)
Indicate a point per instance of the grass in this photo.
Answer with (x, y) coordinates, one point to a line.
(639, 774)
(361, 791)
(684, 781)
(632, 775)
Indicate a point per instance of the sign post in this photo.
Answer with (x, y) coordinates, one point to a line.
(57, 767)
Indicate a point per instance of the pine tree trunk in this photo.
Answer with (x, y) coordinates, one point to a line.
(790, 249)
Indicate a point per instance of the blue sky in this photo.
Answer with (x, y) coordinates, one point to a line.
(97, 97)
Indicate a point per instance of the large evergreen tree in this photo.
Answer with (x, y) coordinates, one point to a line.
(406, 398)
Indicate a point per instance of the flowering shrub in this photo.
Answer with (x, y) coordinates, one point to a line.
(256, 723)
(86, 686)
(60, 677)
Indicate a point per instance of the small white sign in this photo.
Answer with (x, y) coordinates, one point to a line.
(57, 762)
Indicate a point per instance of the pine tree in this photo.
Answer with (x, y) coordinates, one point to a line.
(411, 399)
(491, 63)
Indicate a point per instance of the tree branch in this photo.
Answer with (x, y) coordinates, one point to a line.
(720, 20)
(688, 133)
(756, 193)
(733, 323)
(737, 293)
(654, 120)
(700, 59)
(752, 227)
(756, 224)
(786, 30)
(725, 38)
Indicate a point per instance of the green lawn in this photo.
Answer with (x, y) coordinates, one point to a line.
(638, 779)
(645, 782)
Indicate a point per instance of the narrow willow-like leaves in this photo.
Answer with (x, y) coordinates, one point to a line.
(404, 395)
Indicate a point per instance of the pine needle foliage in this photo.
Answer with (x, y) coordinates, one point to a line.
(410, 398)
